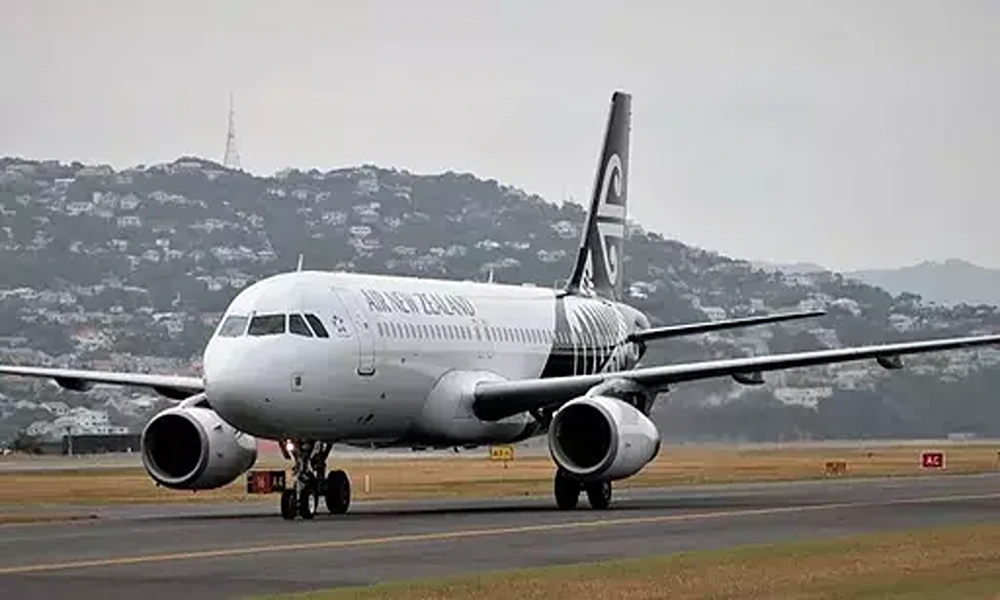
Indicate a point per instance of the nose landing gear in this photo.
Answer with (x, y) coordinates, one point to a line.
(312, 481)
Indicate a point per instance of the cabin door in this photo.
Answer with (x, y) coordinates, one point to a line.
(363, 329)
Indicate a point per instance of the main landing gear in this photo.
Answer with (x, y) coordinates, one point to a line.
(568, 488)
(312, 481)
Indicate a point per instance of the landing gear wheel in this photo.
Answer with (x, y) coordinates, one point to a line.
(599, 495)
(567, 491)
(307, 510)
(312, 482)
(288, 506)
(338, 492)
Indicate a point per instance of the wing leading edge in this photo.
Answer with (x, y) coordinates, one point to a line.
(497, 400)
(176, 387)
(672, 331)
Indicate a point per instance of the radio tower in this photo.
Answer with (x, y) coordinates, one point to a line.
(232, 158)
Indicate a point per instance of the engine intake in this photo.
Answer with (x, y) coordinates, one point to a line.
(596, 438)
(192, 448)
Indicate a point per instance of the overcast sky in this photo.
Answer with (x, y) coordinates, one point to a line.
(852, 133)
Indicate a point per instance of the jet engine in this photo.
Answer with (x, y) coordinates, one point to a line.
(597, 438)
(192, 448)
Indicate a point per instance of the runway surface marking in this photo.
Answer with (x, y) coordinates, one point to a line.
(472, 533)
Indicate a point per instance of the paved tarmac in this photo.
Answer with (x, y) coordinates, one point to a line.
(227, 550)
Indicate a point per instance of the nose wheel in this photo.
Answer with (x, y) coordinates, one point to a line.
(312, 482)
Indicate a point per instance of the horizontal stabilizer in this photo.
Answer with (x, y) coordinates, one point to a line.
(672, 331)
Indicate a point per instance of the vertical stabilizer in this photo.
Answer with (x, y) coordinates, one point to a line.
(599, 259)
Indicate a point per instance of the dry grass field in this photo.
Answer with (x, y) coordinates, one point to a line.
(958, 562)
(478, 476)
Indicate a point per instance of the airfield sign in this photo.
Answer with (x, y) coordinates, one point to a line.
(932, 460)
(504, 453)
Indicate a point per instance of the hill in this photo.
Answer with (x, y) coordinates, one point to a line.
(130, 269)
(952, 281)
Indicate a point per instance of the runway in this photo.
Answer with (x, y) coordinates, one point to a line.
(227, 550)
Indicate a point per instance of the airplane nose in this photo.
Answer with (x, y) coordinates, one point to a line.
(235, 384)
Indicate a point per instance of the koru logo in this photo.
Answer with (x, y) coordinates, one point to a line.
(610, 232)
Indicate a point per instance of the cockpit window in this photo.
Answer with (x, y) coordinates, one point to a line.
(317, 325)
(297, 325)
(233, 326)
(267, 325)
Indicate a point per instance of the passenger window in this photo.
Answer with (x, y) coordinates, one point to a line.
(233, 326)
(297, 325)
(317, 325)
(267, 325)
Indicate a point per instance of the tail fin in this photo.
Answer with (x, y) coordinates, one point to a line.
(600, 258)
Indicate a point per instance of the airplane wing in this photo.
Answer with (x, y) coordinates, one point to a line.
(175, 387)
(497, 400)
(671, 331)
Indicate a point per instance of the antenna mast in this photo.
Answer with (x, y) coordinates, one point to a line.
(232, 158)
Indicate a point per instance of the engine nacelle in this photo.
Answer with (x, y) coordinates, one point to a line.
(597, 438)
(192, 448)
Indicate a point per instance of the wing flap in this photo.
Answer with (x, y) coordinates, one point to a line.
(496, 400)
(176, 387)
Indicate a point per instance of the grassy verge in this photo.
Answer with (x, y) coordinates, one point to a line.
(932, 563)
(458, 477)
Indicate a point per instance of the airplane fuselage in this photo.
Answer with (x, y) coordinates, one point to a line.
(367, 372)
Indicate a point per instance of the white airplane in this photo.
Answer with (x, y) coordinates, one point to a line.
(312, 358)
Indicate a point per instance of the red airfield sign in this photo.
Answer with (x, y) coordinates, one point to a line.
(932, 460)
